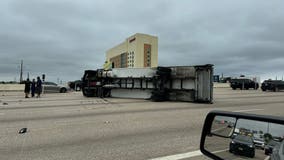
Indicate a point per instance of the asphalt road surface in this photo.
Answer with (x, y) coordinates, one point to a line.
(71, 127)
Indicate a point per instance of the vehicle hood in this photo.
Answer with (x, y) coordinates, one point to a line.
(243, 142)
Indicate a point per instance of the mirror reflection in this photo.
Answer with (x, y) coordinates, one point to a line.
(246, 139)
(223, 126)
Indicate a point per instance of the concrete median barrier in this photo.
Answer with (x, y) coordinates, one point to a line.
(12, 87)
(221, 85)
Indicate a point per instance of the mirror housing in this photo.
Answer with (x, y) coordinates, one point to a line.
(207, 127)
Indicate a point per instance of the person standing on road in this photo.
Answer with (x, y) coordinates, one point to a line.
(27, 87)
(33, 87)
(38, 87)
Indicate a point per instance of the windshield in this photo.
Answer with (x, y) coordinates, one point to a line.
(243, 138)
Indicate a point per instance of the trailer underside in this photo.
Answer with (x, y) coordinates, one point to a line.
(178, 83)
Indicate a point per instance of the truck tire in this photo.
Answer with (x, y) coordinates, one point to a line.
(100, 92)
(252, 155)
(88, 92)
(266, 152)
(63, 90)
(257, 86)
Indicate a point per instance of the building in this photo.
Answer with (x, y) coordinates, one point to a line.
(137, 51)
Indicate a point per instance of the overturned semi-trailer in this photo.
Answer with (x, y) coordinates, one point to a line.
(177, 83)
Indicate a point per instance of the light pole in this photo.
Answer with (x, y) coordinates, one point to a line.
(43, 79)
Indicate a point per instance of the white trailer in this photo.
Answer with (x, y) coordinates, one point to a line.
(177, 83)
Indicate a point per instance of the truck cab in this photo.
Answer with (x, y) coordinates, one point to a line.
(89, 82)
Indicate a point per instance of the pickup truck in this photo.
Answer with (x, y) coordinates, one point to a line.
(243, 84)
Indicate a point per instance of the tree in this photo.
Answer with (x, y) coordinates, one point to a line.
(267, 137)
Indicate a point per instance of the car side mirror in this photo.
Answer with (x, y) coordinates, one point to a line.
(231, 135)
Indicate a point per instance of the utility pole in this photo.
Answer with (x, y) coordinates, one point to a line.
(21, 71)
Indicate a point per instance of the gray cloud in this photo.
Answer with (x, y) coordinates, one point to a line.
(63, 38)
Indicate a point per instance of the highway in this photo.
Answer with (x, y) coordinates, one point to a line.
(71, 127)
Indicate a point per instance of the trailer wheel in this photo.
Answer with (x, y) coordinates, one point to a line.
(100, 92)
(88, 92)
(257, 86)
(275, 89)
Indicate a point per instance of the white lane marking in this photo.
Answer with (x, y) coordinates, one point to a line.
(249, 110)
(267, 158)
(224, 150)
(180, 156)
(185, 155)
(218, 129)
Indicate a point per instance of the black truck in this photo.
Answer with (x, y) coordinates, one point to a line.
(272, 85)
(243, 84)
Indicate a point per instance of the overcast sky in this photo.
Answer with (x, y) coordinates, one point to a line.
(63, 38)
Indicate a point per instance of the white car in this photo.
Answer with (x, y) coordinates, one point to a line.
(50, 87)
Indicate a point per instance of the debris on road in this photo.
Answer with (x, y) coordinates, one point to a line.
(23, 130)
(107, 122)
(5, 103)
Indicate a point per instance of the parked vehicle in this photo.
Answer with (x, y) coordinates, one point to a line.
(259, 143)
(51, 87)
(242, 145)
(278, 152)
(243, 84)
(269, 147)
(75, 85)
(272, 85)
